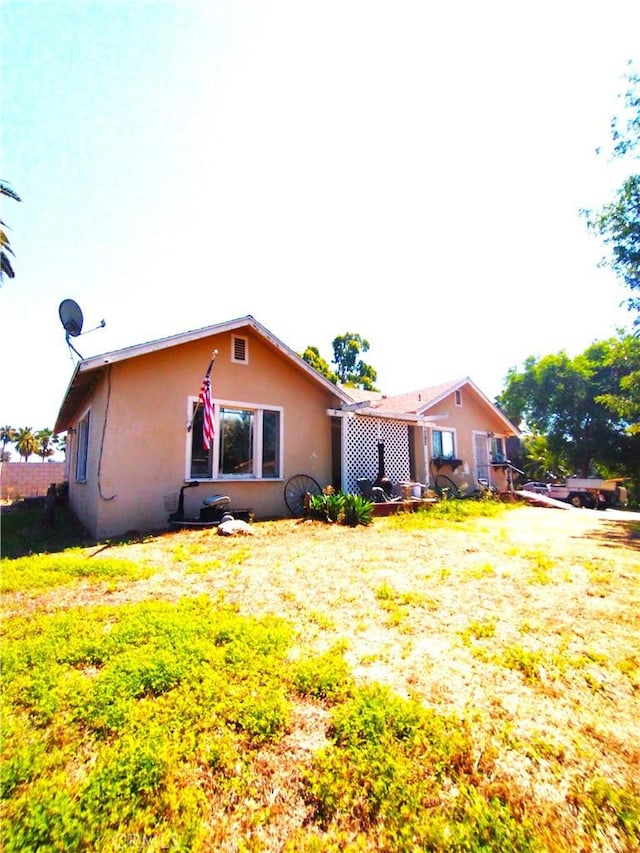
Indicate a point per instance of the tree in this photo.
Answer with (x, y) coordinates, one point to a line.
(618, 223)
(351, 370)
(44, 437)
(539, 462)
(8, 435)
(575, 404)
(621, 356)
(312, 356)
(6, 267)
(26, 443)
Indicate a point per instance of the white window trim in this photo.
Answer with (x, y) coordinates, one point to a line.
(495, 438)
(258, 408)
(82, 445)
(452, 430)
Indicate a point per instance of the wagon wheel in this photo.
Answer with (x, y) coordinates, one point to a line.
(445, 487)
(296, 490)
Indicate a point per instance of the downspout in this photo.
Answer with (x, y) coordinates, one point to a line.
(104, 430)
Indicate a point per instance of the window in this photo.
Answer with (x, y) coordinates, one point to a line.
(82, 449)
(497, 449)
(246, 444)
(458, 397)
(442, 444)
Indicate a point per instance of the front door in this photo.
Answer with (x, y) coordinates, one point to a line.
(481, 457)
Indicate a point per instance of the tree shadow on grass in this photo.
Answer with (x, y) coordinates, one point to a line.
(27, 530)
(617, 533)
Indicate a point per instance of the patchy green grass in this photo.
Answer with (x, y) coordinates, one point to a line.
(441, 680)
(44, 571)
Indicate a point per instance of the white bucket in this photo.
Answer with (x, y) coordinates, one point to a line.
(416, 490)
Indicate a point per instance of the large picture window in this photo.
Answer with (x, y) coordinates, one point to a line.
(246, 444)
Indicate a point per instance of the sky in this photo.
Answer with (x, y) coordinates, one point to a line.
(412, 172)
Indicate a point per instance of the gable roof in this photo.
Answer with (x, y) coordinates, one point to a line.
(88, 372)
(418, 403)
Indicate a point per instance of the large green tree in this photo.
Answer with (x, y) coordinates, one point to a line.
(581, 406)
(312, 356)
(350, 368)
(6, 268)
(618, 222)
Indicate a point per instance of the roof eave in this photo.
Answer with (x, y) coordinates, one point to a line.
(455, 386)
(77, 389)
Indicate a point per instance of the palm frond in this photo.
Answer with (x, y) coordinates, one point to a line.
(5, 266)
(5, 189)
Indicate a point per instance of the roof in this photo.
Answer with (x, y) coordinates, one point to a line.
(416, 403)
(88, 372)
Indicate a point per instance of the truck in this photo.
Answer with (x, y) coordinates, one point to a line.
(590, 492)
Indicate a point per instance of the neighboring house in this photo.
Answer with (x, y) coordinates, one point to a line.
(449, 433)
(134, 429)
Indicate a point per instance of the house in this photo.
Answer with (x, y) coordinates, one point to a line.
(134, 429)
(447, 436)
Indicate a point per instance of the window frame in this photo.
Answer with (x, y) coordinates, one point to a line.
(257, 475)
(82, 447)
(441, 432)
(497, 456)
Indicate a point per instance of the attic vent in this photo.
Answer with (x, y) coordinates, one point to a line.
(239, 350)
(458, 397)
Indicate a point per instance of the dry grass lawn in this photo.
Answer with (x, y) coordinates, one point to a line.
(527, 624)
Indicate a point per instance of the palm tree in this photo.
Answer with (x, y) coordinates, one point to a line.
(5, 246)
(60, 442)
(44, 438)
(8, 435)
(26, 443)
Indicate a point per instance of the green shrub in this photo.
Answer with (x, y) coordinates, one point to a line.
(357, 510)
(336, 507)
(327, 506)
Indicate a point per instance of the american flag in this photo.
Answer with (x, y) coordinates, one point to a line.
(207, 410)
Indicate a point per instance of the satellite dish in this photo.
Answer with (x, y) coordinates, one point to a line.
(71, 317)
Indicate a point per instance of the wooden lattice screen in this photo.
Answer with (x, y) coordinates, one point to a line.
(360, 449)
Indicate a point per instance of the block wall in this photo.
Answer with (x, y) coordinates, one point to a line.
(29, 479)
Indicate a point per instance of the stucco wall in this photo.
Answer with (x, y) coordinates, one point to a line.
(471, 416)
(29, 479)
(140, 457)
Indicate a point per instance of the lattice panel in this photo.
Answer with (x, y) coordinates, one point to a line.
(361, 450)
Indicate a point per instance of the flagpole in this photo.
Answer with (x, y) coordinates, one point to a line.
(214, 355)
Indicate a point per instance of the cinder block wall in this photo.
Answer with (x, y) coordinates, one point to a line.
(29, 479)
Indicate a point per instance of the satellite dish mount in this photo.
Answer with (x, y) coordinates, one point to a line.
(72, 320)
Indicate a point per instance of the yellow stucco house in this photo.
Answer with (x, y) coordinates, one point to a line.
(134, 430)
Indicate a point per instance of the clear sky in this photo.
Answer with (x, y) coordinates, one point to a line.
(410, 171)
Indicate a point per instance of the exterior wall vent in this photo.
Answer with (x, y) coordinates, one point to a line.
(239, 350)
